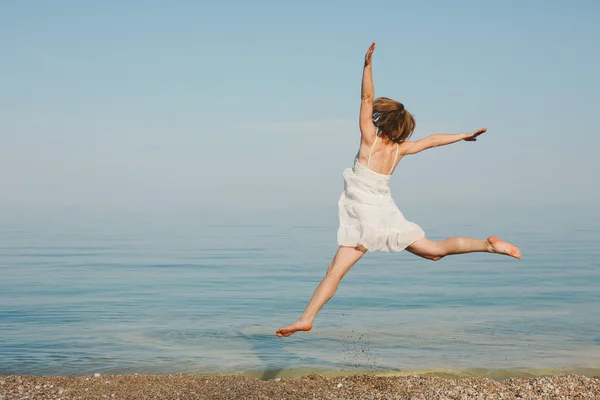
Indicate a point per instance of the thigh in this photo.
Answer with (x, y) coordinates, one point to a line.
(344, 259)
(424, 248)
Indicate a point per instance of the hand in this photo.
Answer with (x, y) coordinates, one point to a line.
(369, 54)
(471, 137)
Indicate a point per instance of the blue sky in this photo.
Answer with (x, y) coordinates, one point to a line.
(191, 104)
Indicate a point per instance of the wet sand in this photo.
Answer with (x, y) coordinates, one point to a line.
(224, 387)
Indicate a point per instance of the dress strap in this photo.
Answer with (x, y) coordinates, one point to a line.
(395, 158)
(371, 152)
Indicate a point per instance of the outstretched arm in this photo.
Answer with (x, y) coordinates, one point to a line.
(367, 94)
(438, 140)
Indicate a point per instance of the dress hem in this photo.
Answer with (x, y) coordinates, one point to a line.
(354, 246)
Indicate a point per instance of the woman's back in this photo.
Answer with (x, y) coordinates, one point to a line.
(380, 156)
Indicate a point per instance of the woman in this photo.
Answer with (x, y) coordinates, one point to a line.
(369, 218)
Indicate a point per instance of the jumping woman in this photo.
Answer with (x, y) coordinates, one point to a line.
(369, 218)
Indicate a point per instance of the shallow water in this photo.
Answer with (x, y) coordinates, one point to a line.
(170, 292)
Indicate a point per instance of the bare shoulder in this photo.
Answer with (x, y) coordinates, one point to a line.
(368, 138)
(367, 128)
(417, 146)
(406, 147)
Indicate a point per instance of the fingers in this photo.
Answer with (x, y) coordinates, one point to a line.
(473, 136)
(369, 54)
(478, 132)
(371, 49)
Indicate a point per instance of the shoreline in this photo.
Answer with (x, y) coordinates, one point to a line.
(497, 374)
(360, 386)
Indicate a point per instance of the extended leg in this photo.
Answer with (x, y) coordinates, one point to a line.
(344, 259)
(458, 245)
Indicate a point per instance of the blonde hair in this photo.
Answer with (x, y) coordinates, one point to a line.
(392, 120)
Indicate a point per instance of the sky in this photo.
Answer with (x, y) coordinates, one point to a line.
(236, 104)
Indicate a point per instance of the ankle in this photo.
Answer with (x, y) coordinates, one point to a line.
(488, 246)
(305, 320)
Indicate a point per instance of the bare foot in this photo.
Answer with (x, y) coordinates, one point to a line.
(502, 247)
(295, 327)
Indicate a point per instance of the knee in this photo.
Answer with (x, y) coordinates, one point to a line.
(329, 269)
(332, 274)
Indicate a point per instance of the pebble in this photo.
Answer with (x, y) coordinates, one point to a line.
(96, 374)
(172, 387)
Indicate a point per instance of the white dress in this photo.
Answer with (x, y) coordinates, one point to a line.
(368, 214)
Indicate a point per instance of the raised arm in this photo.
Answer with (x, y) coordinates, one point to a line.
(438, 140)
(367, 94)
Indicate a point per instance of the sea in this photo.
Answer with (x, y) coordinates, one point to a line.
(203, 291)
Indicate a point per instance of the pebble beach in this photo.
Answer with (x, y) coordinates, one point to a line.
(224, 387)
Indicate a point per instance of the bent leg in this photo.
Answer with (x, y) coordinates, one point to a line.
(344, 259)
(432, 250)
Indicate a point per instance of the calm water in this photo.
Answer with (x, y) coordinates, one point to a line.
(136, 292)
